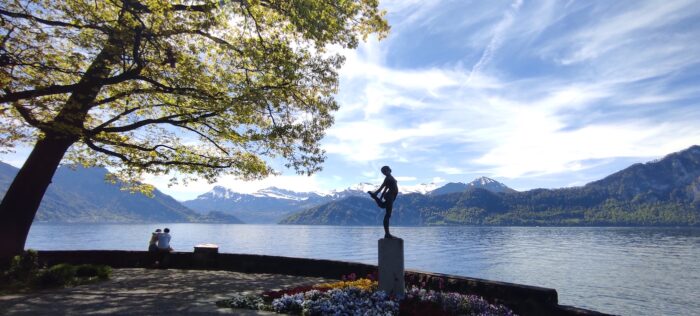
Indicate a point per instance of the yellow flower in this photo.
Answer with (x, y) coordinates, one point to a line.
(362, 284)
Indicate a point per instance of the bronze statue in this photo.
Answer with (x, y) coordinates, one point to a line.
(390, 190)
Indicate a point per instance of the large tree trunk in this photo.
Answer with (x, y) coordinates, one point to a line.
(22, 199)
(21, 202)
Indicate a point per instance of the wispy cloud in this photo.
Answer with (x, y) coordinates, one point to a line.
(546, 93)
(496, 38)
(582, 105)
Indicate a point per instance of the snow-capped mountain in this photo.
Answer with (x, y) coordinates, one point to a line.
(481, 183)
(489, 184)
(423, 188)
(277, 193)
(263, 206)
(271, 204)
(361, 189)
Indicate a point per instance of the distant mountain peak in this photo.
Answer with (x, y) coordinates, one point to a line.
(478, 183)
(483, 180)
(423, 188)
(218, 192)
(279, 193)
(489, 184)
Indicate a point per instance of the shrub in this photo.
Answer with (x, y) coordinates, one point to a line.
(23, 267)
(102, 272)
(243, 301)
(58, 275)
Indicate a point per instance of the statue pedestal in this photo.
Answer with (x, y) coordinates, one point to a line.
(391, 272)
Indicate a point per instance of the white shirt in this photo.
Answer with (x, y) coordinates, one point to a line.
(163, 241)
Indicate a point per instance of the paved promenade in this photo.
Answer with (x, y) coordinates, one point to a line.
(150, 292)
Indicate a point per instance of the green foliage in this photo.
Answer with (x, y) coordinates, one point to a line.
(23, 266)
(196, 88)
(101, 272)
(25, 273)
(64, 274)
(58, 275)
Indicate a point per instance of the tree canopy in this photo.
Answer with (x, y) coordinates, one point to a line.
(205, 88)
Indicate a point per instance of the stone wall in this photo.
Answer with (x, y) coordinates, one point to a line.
(523, 299)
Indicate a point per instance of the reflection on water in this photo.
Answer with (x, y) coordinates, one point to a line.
(629, 271)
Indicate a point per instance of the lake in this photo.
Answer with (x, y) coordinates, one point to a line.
(628, 271)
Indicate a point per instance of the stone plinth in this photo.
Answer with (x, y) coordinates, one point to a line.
(205, 255)
(206, 248)
(391, 268)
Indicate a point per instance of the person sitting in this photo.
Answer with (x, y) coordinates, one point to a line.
(164, 241)
(163, 249)
(152, 247)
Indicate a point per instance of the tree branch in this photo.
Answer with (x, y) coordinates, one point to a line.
(123, 95)
(28, 117)
(112, 120)
(134, 146)
(50, 22)
(205, 137)
(39, 92)
(163, 120)
(128, 161)
(167, 89)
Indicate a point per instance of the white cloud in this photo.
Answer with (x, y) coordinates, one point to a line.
(449, 170)
(369, 140)
(438, 180)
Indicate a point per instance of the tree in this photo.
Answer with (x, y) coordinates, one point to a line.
(196, 87)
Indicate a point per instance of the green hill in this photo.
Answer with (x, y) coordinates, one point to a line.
(83, 196)
(664, 192)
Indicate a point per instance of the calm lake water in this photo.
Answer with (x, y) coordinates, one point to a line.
(628, 271)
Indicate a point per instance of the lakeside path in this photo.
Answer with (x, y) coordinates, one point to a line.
(151, 292)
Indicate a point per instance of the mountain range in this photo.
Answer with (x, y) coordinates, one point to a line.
(271, 205)
(82, 195)
(662, 192)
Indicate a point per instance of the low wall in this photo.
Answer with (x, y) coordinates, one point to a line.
(523, 299)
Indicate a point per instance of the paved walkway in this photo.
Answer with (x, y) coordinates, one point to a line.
(150, 292)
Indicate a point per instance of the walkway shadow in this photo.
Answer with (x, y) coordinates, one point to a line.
(150, 292)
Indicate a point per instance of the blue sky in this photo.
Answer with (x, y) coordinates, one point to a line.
(535, 94)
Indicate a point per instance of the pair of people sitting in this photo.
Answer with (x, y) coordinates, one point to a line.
(160, 241)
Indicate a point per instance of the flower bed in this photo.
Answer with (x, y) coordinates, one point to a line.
(360, 297)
